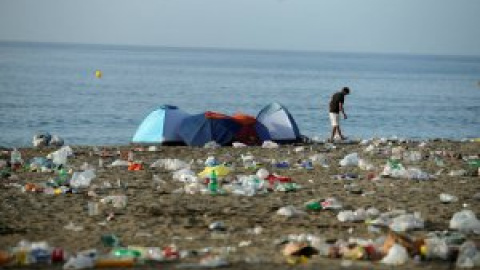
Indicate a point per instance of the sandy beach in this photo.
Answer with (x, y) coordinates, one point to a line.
(250, 233)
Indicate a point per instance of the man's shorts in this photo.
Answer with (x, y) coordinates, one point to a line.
(335, 119)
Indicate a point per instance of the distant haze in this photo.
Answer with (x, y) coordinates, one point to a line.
(444, 27)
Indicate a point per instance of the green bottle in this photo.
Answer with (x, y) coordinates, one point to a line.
(314, 205)
(126, 253)
(213, 184)
(62, 176)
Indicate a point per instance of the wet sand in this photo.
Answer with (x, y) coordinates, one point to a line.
(159, 216)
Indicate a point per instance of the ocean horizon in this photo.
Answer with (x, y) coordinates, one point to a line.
(52, 87)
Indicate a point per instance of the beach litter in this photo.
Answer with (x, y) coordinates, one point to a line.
(401, 236)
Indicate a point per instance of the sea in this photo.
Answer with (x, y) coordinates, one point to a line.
(53, 88)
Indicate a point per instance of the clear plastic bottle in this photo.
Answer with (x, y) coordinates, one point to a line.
(16, 159)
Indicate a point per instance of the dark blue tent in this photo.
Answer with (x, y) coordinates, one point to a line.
(197, 130)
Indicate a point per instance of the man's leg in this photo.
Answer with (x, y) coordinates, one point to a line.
(334, 118)
(340, 133)
(334, 130)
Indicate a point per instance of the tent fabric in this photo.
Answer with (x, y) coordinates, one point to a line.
(244, 119)
(277, 123)
(215, 115)
(199, 129)
(161, 126)
(247, 133)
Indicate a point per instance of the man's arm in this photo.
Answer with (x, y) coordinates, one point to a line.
(342, 110)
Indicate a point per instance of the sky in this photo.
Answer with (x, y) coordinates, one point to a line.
(438, 27)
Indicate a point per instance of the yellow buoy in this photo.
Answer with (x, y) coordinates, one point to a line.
(98, 74)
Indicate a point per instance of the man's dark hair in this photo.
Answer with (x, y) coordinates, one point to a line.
(346, 90)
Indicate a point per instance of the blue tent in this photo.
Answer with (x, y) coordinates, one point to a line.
(276, 122)
(197, 130)
(161, 126)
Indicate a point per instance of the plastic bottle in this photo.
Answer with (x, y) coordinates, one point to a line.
(62, 176)
(16, 159)
(314, 205)
(126, 253)
(213, 184)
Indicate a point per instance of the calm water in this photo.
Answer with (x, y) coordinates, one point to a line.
(47, 87)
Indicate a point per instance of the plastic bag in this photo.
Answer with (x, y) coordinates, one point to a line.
(212, 145)
(319, 159)
(396, 255)
(60, 156)
(407, 222)
(170, 164)
(290, 211)
(468, 255)
(417, 174)
(83, 260)
(185, 175)
(349, 160)
(238, 145)
(82, 179)
(118, 201)
(436, 248)
(262, 173)
(365, 165)
(412, 156)
(465, 221)
(352, 216)
(269, 144)
(447, 198)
